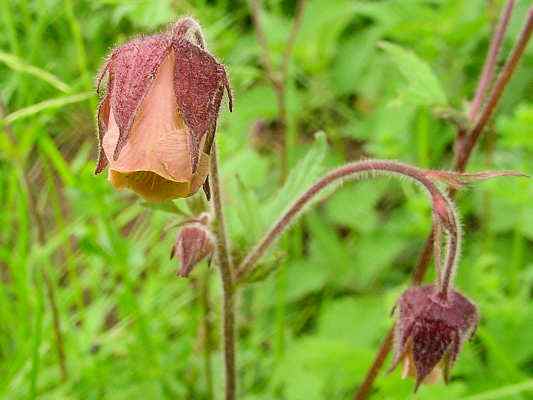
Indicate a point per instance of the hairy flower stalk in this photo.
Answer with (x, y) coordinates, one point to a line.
(433, 320)
(464, 145)
(443, 209)
(228, 285)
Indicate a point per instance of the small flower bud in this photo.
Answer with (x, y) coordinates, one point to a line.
(194, 243)
(157, 119)
(430, 331)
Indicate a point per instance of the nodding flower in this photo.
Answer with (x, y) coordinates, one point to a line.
(430, 331)
(158, 116)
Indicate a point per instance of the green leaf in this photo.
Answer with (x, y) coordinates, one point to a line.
(320, 368)
(308, 170)
(366, 316)
(301, 177)
(424, 88)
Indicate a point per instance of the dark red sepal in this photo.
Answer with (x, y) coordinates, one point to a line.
(102, 121)
(198, 80)
(133, 68)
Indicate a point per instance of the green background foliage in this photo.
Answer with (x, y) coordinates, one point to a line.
(369, 76)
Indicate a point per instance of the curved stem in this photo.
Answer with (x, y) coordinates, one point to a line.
(187, 25)
(225, 265)
(184, 27)
(442, 206)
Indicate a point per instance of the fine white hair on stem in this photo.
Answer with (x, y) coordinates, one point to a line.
(453, 252)
(437, 243)
(442, 206)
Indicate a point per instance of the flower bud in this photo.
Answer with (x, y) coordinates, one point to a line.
(430, 332)
(158, 117)
(194, 243)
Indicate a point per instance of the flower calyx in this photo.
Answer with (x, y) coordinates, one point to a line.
(430, 331)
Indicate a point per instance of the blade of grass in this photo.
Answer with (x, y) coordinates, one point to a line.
(81, 53)
(37, 340)
(49, 149)
(46, 105)
(9, 26)
(33, 213)
(16, 64)
(67, 250)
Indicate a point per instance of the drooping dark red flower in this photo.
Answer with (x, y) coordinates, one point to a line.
(430, 331)
(157, 119)
(193, 244)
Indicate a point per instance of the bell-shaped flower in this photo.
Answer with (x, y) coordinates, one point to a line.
(430, 331)
(158, 117)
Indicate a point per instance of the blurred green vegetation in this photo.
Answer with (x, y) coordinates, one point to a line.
(369, 74)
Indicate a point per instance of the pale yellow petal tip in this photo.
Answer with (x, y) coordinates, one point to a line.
(155, 188)
(150, 186)
(409, 370)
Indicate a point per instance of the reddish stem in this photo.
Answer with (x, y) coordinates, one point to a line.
(187, 25)
(450, 265)
(462, 156)
(228, 288)
(497, 91)
(373, 372)
(487, 73)
(440, 202)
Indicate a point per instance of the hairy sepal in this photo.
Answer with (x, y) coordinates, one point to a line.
(199, 81)
(133, 68)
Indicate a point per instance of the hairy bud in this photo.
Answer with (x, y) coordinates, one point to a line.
(430, 331)
(193, 244)
(157, 119)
